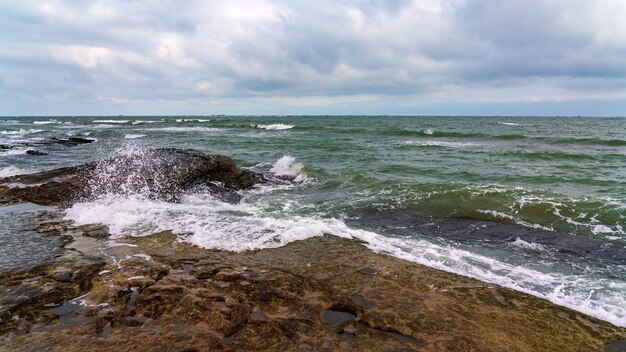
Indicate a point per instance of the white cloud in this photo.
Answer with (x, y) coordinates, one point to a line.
(315, 53)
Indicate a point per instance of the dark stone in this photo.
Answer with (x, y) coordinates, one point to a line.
(616, 346)
(467, 230)
(358, 299)
(158, 173)
(35, 152)
(335, 317)
(368, 271)
(6, 147)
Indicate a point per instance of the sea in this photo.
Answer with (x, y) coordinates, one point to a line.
(536, 204)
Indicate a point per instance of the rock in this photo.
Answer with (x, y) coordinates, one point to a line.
(70, 142)
(157, 173)
(6, 147)
(35, 152)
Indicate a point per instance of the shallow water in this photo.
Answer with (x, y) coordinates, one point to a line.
(561, 174)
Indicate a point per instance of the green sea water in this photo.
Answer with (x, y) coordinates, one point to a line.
(560, 174)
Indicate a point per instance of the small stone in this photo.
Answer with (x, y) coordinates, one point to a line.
(368, 271)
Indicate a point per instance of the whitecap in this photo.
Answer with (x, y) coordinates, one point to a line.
(509, 123)
(141, 122)
(112, 121)
(47, 122)
(185, 129)
(277, 126)
(21, 132)
(287, 166)
(134, 136)
(520, 243)
(11, 170)
(443, 144)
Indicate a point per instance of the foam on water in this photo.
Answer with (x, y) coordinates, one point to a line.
(11, 171)
(112, 121)
(21, 132)
(277, 126)
(134, 136)
(287, 166)
(443, 144)
(509, 123)
(185, 129)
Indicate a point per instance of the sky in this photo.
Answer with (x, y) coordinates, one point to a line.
(394, 57)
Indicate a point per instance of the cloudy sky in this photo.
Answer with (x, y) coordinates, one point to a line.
(458, 57)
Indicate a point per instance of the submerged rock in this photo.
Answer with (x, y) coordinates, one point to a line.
(35, 152)
(157, 173)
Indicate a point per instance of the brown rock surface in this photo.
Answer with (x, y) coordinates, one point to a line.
(321, 294)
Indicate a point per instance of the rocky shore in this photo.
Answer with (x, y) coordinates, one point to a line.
(156, 293)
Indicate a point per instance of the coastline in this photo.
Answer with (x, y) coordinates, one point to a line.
(323, 293)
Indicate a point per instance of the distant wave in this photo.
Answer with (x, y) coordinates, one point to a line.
(442, 144)
(509, 123)
(112, 121)
(192, 120)
(141, 122)
(277, 126)
(21, 132)
(134, 136)
(429, 133)
(185, 129)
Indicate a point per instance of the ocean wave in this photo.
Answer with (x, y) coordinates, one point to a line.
(21, 132)
(277, 126)
(287, 166)
(192, 120)
(11, 170)
(185, 129)
(443, 144)
(46, 122)
(112, 121)
(141, 122)
(134, 136)
(509, 124)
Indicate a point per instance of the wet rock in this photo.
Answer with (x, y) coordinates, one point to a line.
(35, 152)
(6, 147)
(368, 271)
(337, 317)
(70, 142)
(158, 173)
(616, 346)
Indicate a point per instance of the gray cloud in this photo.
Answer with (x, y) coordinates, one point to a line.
(323, 56)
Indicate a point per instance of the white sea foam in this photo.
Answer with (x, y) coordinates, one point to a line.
(11, 171)
(141, 122)
(429, 131)
(112, 121)
(15, 151)
(443, 144)
(134, 136)
(287, 166)
(185, 129)
(47, 122)
(509, 123)
(21, 132)
(599, 229)
(276, 126)
(528, 245)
